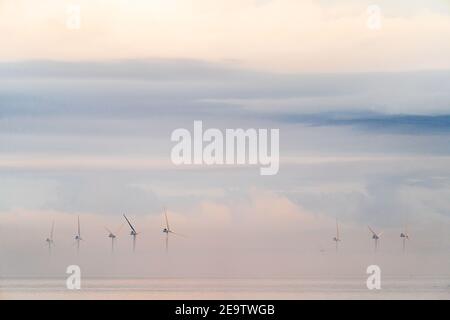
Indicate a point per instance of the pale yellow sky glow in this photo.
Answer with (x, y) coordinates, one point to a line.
(279, 35)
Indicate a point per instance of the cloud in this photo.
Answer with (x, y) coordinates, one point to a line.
(88, 133)
(283, 35)
(141, 89)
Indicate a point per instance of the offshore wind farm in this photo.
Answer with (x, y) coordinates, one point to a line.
(181, 287)
(404, 235)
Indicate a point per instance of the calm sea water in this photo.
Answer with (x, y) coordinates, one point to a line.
(152, 288)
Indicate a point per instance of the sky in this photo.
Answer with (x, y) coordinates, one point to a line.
(283, 35)
(86, 117)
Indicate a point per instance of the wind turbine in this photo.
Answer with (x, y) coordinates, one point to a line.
(113, 236)
(132, 233)
(167, 230)
(405, 236)
(78, 236)
(337, 238)
(49, 240)
(375, 236)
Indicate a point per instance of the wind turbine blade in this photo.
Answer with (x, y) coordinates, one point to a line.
(167, 242)
(337, 229)
(167, 220)
(379, 235)
(129, 223)
(109, 231)
(51, 232)
(79, 229)
(373, 232)
(178, 234)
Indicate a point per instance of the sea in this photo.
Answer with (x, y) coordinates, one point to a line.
(417, 287)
